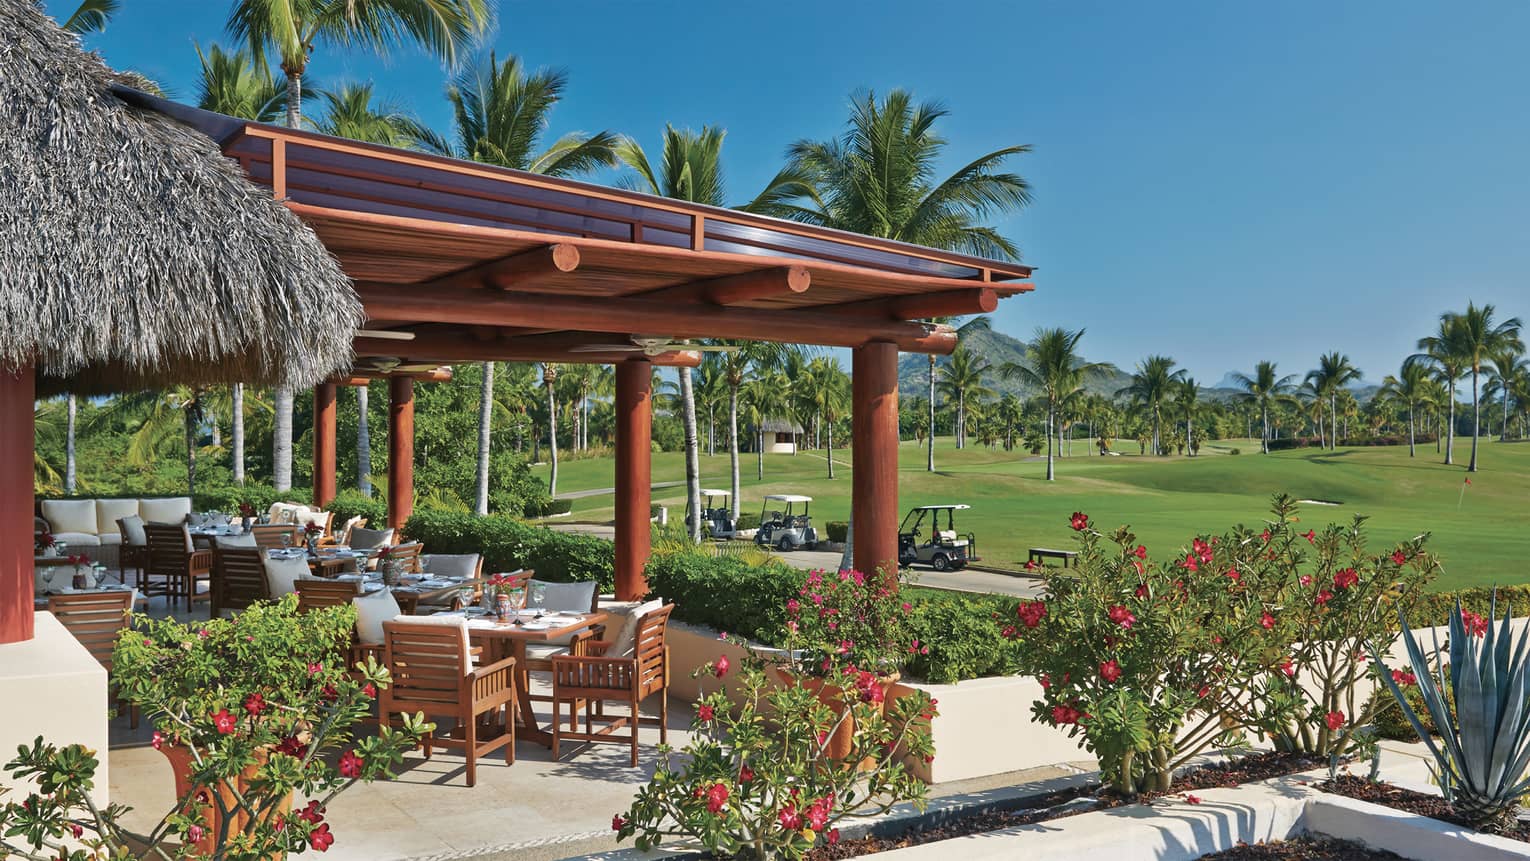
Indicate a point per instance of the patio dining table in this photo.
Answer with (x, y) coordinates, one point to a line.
(500, 639)
(419, 588)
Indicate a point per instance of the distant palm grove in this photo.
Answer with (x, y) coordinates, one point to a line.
(477, 434)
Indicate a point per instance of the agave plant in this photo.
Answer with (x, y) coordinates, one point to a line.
(1483, 715)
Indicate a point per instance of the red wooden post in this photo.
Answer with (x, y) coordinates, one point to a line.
(874, 457)
(400, 450)
(634, 457)
(17, 393)
(323, 444)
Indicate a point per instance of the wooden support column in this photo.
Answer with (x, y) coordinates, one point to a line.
(634, 456)
(400, 451)
(874, 456)
(17, 392)
(323, 444)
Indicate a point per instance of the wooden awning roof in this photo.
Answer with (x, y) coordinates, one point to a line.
(470, 262)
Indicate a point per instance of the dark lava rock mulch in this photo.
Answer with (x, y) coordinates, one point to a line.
(1304, 849)
(1398, 798)
(1071, 802)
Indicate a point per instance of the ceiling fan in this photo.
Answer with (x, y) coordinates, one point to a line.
(653, 345)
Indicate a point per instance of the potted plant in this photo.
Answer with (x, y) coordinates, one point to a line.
(313, 532)
(764, 788)
(246, 515)
(249, 711)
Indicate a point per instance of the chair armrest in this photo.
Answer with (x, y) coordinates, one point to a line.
(598, 648)
(200, 559)
(491, 669)
(488, 681)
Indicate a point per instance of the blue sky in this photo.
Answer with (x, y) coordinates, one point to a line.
(1220, 182)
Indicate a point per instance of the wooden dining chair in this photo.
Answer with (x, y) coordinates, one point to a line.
(594, 679)
(409, 554)
(239, 579)
(171, 557)
(268, 536)
(315, 593)
(96, 619)
(342, 537)
(431, 666)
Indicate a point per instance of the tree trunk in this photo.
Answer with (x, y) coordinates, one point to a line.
(1051, 418)
(759, 451)
(281, 442)
(1264, 440)
(1476, 420)
(961, 419)
(187, 418)
(1189, 434)
(485, 428)
(1333, 419)
(72, 407)
(576, 436)
(692, 456)
(552, 439)
(1450, 421)
(829, 434)
(363, 441)
(217, 432)
(733, 445)
(236, 431)
(1503, 436)
(929, 453)
(1411, 451)
(1157, 441)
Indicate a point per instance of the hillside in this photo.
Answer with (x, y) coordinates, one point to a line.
(997, 348)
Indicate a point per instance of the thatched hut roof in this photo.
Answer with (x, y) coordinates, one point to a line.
(780, 425)
(134, 254)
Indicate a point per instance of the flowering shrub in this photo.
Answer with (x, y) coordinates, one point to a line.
(848, 618)
(261, 707)
(768, 788)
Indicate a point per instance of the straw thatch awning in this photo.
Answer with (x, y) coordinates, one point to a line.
(133, 253)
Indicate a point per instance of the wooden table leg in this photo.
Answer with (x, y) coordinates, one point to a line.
(529, 728)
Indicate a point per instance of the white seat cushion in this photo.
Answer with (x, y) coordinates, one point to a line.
(450, 564)
(172, 509)
(109, 510)
(458, 623)
(70, 515)
(369, 539)
(131, 530)
(371, 612)
(625, 644)
(286, 512)
(226, 542)
(282, 575)
(78, 539)
(313, 515)
(544, 651)
(110, 539)
(571, 597)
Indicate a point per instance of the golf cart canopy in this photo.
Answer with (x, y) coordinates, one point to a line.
(705, 492)
(942, 507)
(788, 497)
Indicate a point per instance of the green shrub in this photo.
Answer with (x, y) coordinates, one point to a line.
(508, 544)
(748, 520)
(1235, 451)
(226, 497)
(726, 592)
(353, 503)
(959, 631)
(557, 506)
(837, 530)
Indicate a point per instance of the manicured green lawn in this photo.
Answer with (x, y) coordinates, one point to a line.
(1165, 500)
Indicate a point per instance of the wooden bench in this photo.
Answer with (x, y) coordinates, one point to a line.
(1037, 554)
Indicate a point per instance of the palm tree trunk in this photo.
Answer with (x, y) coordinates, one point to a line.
(929, 454)
(1450, 421)
(1157, 442)
(1264, 439)
(217, 432)
(1503, 436)
(1476, 420)
(733, 444)
(552, 439)
(485, 421)
(1411, 451)
(692, 456)
(191, 452)
(363, 441)
(759, 451)
(1189, 434)
(72, 409)
(281, 442)
(1051, 417)
(1333, 418)
(961, 419)
(578, 426)
(236, 430)
(829, 435)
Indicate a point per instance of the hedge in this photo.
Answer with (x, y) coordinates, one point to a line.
(508, 544)
(837, 530)
(1287, 443)
(353, 503)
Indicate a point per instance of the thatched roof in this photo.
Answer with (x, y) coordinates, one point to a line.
(133, 254)
(780, 425)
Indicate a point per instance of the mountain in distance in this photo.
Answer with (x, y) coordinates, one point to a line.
(997, 348)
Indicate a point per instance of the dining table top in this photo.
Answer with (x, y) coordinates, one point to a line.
(530, 625)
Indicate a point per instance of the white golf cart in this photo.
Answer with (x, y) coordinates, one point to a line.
(941, 549)
(716, 516)
(786, 525)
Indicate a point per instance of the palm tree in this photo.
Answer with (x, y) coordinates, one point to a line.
(1150, 386)
(1053, 364)
(1507, 365)
(1410, 388)
(828, 389)
(1334, 372)
(1265, 389)
(690, 168)
(751, 356)
(1187, 394)
(549, 379)
(961, 378)
(160, 417)
(292, 29)
(1445, 352)
(1481, 338)
(980, 323)
(90, 16)
(767, 396)
(349, 112)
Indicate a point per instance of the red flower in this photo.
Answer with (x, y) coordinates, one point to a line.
(1287, 668)
(1140, 552)
(320, 838)
(1265, 536)
(1031, 612)
(254, 704)
(618, 822)
(1110, 670)
(818, 813)
(1079, 521)
(720, 668)
(1122, 616)
(1335, 720)
(745, 774)
(223, 721)
(77, 830)
(1305, 579)
(1323, 597)
(1404, 678)
(1141, 591)
(832, 836)
(159, 740)
(1031, 565)
(1345, 578)
(350, 764)
(330, 693)
(1233, 575)
(717, 798)
(1475, 625)
(315, 669)
(1192, 799)
(1204, 691)
(1267, 621)
(789, 818)
(292, 747)
(1191, 563)
(705, 712)
(1202, 549)
(1065, 714)
(370, 690)
(195, 833)
(313, 813)
(1399, 557)
(1310, 536)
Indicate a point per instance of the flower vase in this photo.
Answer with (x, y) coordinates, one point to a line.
(392, 571)
(246, 523)
(84, 577)
(502, 607)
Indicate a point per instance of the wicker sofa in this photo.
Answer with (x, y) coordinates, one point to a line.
(90, 525)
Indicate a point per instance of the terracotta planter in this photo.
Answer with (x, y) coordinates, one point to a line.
(843, 739)
(182, 763)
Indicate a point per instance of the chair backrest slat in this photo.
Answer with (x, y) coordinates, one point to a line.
(649, 646)
(239, 576)
(169, 544)
(95, 619)
(314, 593)
(269, 535)
(409, 554)
(426, 661)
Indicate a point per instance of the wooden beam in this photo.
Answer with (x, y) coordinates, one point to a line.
(443, 346)
(363, 376)
(737, 289)
(524, 270)
(17, 462)
(625, 316)
(922, 306)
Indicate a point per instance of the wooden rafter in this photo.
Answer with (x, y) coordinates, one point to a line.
(454, 345)
(737, 289)
(524, 270)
